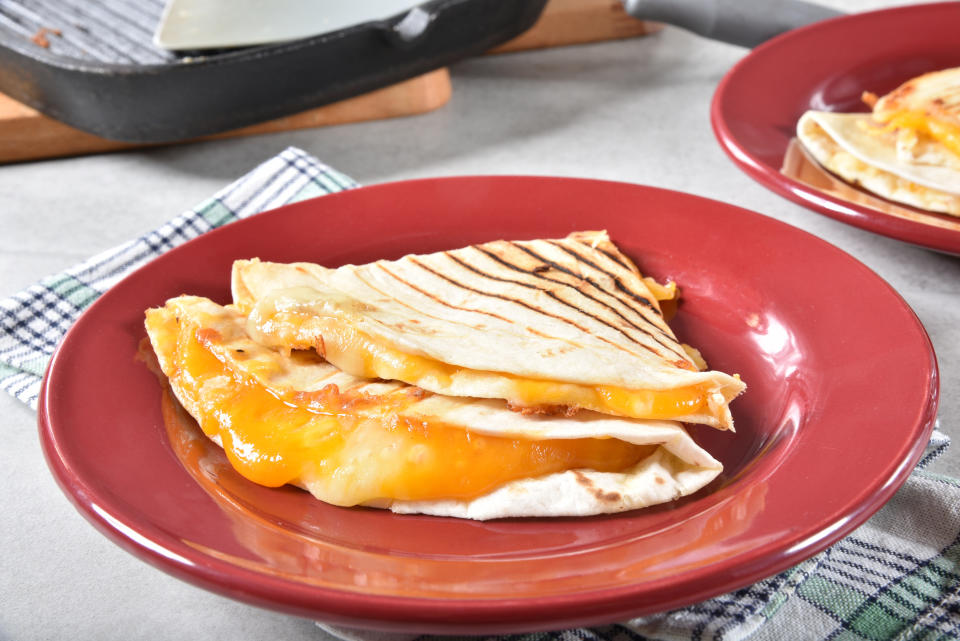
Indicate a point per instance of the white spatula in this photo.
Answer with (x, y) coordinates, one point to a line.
(206, 24)
(217, 24)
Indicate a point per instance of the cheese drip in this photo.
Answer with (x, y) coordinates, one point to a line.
(360, 354)
(367, 457)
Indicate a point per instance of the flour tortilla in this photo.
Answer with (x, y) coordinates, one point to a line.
(676, 468)
(842, 144)
(935, 94)
(569, 310)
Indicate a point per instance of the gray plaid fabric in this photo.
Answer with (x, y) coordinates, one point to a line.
(895, 577)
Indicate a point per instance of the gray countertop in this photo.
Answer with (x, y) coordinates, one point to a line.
(634, 110)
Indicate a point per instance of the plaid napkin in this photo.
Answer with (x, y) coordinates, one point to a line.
(896, 577)
(33, 321)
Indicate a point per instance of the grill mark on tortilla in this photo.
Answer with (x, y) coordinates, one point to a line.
(670, 345)
(599, 494)
(644, 303)
(359, 276)
(671, 341)
(564, 270)
(618, 258)
(642, 300)
(536, 274)
(440, 300)
(532, 308)
(447, 319)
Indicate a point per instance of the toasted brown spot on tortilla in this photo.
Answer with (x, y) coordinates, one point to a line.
(600, 495)
(544, 410)
(583, 479)
(610, 497)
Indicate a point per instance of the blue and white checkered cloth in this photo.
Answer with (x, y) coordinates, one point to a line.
(895, 577)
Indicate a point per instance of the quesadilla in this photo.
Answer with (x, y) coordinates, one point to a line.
(906, 150)
(286, 416)
(551, 326)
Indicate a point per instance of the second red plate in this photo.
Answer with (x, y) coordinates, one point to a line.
(827, 66)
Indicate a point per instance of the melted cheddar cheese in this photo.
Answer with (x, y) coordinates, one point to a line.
(947, 134)
(360, 354)
(350, 457)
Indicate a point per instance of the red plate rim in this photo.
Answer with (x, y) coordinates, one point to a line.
(868, 218)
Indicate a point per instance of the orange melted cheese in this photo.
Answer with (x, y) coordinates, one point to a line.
(362, 355)
(947, 134)
(352, 458)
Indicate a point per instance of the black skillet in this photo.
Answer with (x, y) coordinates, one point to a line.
(92, 64)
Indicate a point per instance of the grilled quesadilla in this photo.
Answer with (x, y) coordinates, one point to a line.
(286, 416)
(906, 150)
(551, 326)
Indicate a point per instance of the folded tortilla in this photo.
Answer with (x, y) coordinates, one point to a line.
(906, 150)
(924, 107)
(551, 326)
(291, 417)
(851, 146)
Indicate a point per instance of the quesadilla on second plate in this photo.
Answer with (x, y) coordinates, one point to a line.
(552, 326)
(290, 417)
(906, 150)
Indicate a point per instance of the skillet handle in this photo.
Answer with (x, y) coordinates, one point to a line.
(741, 22)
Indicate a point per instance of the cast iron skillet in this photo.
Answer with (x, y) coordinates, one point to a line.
(100, 75)
(99, 72)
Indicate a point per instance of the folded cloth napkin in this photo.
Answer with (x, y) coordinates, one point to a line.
(895, 577)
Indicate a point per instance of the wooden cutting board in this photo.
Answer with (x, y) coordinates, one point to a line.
(26, 134)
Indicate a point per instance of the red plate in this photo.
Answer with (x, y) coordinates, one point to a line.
(833, 357)
(827, 66)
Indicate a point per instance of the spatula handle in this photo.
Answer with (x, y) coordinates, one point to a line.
(741, 22)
